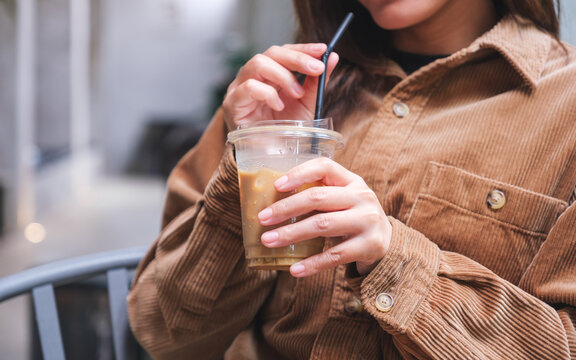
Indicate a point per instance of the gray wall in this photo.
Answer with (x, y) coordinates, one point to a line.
(567, 23)
(52, 118)
(7, 86)
(7, 104)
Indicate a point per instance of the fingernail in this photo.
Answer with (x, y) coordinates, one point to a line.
(269, 237)
(298, 90)
(315, 65)
(279, 105)
(265, 214)
(297, 269)
(318, 47)
(281, 181)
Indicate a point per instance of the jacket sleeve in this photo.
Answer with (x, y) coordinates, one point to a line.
(192, 293)
(446, 306)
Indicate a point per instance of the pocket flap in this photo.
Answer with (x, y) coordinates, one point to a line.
(523, 208)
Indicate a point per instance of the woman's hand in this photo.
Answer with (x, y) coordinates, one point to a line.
(348, 209)
(266, 88)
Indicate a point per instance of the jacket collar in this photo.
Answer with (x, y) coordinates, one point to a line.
(518, 40)
(521, 43)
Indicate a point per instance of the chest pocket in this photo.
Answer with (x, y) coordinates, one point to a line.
(499, 225)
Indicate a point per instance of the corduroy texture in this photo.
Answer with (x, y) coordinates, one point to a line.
(468, 281)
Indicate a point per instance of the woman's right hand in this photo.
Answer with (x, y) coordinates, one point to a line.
(266, 88)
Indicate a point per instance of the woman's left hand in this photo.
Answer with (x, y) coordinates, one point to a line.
(347, 208)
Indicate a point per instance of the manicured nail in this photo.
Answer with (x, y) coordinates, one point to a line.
(265, 214)
(298, 90)
(297, 269)
(279, 105)
(269, 237)
(281, 181)
(315, 65)
(318, 47)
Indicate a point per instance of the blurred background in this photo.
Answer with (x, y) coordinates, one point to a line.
(98, 100)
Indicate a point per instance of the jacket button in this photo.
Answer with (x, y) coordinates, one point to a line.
(353, 306)
(496, 199)
(401, 109)
(384, 302)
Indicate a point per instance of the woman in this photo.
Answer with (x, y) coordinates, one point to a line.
(450, 211)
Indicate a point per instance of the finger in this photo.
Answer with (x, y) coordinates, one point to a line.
(296, 60)
(246, 96)
(343, 253)
(317, 198)
(331, 65)
(310, 85)
(266, 69)
(320, 169)
(332, 62)
(340, 223)
(313, 49)
(294, 53)
(288, 58)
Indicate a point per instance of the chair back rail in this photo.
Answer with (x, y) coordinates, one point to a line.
(68, 270)
(41, 280)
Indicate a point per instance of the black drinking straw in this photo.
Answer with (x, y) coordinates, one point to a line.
(322, 79)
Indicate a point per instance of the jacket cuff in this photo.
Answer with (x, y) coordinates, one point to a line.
(222, 196)
(393, 292)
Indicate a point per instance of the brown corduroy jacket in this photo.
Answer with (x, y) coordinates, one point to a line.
(474, 159)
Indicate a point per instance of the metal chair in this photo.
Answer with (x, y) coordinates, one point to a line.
(42, 280)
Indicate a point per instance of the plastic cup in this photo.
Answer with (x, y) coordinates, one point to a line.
(264, 152)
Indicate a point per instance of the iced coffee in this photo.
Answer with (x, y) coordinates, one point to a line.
(264, 152)
(256, 193)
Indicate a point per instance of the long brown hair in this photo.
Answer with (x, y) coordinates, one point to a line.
(365, 45)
